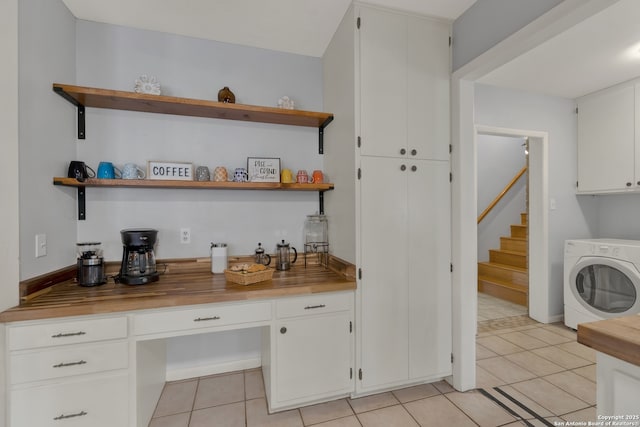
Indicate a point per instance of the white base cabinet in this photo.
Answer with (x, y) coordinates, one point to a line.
(618, 389)
(69, 372)
(310, 351)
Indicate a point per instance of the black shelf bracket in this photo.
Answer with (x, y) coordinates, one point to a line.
(321, 134)
(82, 204)
(321, 202)
(79, 108)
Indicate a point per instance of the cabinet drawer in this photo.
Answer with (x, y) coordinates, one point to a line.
(197, 318)
(314, 304)
(100, 402)
(66, 332)
(61, 362)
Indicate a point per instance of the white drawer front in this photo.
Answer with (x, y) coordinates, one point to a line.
(196, 318)
(96, 403)
(61, 362)
(314, 304)
(66, 332)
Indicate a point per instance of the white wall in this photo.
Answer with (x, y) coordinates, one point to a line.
(617, 216)
(9, 265)
(47, 129)
(499, 159)
(113, 57)
(574, 217)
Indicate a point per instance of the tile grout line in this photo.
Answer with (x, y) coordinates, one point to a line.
(523, 406)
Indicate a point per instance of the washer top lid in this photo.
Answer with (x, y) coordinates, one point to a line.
(616, 242)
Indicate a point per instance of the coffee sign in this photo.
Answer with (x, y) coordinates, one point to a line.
(263, 169)
(179, 171)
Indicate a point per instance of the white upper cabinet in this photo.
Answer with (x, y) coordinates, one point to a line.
(607, 147)
(404, 86)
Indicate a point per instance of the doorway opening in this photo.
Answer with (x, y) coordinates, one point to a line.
(502, 232)
(535, 205)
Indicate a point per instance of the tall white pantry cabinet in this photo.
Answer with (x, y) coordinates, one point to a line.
(386, 78)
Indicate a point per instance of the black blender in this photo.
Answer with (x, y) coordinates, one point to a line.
(138, 260)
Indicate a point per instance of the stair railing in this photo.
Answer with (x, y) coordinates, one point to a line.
(504, 191)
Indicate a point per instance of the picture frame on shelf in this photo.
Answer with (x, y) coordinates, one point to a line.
(263, 169)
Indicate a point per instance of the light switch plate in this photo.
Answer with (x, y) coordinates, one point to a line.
(41, 245)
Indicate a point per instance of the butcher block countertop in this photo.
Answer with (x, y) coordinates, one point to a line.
(619, 337)
(183, 283)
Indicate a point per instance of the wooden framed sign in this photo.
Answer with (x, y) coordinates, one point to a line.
(263, 169)
(180, 171)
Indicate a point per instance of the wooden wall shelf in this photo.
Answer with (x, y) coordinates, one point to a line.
(171, 184)
(83, 97)
(153, 183)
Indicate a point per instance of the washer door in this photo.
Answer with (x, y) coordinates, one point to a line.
(606, 287)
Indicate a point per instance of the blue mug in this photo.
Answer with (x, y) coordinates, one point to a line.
(106, 170)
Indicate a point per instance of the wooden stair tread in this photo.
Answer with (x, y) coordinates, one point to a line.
(503, 266)
(509, 251)
(503, 283)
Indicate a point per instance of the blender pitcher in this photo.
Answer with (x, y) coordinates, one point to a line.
(283, 253)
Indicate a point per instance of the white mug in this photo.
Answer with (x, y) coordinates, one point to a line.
(132, 171)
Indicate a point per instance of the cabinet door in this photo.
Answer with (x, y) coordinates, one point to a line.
(383, 82)
(429, 269)
(313, 357)
(428, 95)
(383, 318)
(606, 141)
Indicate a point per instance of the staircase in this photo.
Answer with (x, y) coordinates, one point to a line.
(506, 275)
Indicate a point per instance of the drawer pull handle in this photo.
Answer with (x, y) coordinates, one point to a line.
(64, 417)
(311, 307)
(204, 319)
(70, 334)
(64, 365)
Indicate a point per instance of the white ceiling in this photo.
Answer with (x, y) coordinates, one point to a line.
(296, 26)
(601, 51)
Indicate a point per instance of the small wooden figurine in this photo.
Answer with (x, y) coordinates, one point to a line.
(225, 95)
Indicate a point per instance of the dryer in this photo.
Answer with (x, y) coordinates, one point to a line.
(601, 279)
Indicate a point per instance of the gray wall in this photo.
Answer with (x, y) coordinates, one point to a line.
(617, 216)
(575, 217)
(47, 134)
(488, 22)
(499, 159)
(113, 57)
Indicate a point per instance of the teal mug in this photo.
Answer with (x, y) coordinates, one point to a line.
(106, 170)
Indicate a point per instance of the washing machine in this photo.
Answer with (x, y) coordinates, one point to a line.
(601, 279)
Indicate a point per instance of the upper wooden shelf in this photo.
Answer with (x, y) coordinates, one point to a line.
(120, 100)
(152, 183)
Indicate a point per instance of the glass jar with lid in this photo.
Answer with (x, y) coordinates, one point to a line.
(316, 229)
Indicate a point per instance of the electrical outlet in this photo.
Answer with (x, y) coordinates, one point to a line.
(185, 235)
(41, 245)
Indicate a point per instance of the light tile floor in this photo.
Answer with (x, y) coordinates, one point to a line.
(541, 367)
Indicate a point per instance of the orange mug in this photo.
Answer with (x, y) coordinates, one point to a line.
(317, 177)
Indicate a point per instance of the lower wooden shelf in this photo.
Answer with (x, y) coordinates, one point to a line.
(153, 183)
(172, 184)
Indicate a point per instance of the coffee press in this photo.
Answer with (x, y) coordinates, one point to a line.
(138, 260)
(283, 254)
(90, 264)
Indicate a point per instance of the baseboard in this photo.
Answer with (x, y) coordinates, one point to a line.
(218, 368)
(556, 318)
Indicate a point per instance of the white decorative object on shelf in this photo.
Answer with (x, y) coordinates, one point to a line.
(147, 84)
(286, 103)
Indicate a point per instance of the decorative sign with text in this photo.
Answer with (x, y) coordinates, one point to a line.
(262, 169)
(180, 171)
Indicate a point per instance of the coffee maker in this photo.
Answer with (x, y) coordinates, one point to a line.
(90, 264)
(138, 260)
